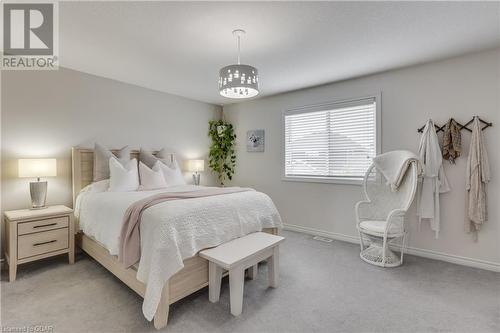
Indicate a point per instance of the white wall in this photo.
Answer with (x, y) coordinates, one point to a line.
(45, 113)
(459, 87)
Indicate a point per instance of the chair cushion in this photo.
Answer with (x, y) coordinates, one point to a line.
(379, 227)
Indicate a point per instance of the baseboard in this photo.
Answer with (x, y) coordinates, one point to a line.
(317, 232)
(459, 260)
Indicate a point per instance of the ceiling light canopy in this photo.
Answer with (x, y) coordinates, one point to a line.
(238, 81)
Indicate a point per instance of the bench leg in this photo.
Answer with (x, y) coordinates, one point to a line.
(253, 271)
(236, 281)
(273, 268)
(161, 315)
(214, 281)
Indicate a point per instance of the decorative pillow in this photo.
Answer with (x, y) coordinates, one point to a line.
(164, 155)
(101, 160)
(173, 175)
(151, 179)
(147, 157)
(100, 186)
(123, 178)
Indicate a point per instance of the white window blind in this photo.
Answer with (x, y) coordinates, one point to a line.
(337, 141)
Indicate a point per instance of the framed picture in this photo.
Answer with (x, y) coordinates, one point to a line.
(255, 140)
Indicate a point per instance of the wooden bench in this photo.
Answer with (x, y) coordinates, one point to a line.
(236, 256)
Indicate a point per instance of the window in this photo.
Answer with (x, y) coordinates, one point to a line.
(330, 143)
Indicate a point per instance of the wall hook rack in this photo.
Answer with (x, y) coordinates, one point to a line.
(441, 128)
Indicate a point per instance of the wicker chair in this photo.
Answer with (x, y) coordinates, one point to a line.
(380, 218)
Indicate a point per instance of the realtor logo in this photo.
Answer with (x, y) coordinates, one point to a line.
(28, 29)
(29, 36)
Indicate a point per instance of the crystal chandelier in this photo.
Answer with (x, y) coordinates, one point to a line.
(238, 81)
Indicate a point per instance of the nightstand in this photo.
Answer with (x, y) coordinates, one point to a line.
(37, 234)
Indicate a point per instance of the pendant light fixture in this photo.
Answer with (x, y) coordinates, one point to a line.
(238, 81)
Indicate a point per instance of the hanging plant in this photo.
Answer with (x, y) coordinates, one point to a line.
(222, 157)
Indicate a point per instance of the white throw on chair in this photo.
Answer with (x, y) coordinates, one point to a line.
(380, 217)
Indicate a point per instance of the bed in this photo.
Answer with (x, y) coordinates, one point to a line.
(185, 281)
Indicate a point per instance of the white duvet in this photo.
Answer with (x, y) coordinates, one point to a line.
(174, 230)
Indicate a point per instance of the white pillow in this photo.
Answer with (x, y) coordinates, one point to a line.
(123, 178)
(151, 179)
(96, 187)
(173, 175)
(100, 186)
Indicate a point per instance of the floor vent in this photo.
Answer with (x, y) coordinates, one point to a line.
(323, 239)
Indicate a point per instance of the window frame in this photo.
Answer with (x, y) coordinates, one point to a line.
(323, 107)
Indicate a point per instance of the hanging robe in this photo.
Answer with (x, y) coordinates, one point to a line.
(452, 141)
(433, 181)
(477, 178)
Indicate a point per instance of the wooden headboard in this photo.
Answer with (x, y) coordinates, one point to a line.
(83, 167)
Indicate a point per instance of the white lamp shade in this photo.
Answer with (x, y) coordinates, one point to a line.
(37, 167)
(195, 165)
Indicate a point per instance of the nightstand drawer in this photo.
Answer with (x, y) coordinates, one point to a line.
(42, 242)
(42, 225)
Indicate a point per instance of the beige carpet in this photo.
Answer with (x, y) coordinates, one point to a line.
(324, 288)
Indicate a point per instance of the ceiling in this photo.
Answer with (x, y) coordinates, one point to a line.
(179, 47)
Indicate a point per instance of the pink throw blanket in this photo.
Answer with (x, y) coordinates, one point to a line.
(130, 237)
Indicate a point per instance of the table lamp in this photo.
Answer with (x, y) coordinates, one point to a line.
(36, 168)
(195, 166)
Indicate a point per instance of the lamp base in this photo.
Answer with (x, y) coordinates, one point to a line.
(196, 178)
(38, 192)
(39, 208)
